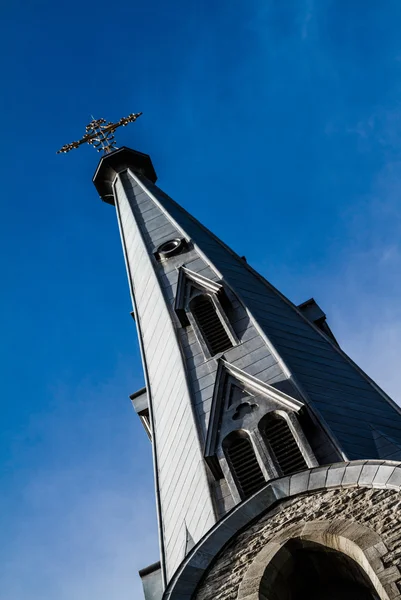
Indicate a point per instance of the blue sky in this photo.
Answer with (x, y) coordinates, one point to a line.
(278, 124)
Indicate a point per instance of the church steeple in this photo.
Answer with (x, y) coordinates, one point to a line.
(242, 386)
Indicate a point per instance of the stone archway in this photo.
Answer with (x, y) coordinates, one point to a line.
(303, 570)
(362, 492)
(352, 549)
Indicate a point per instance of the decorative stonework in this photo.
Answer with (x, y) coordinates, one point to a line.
(365, 492)
(356, 541)
(363, 523)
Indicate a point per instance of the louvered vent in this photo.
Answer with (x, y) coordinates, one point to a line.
(243, 464)
(283, 445)
(210, 325)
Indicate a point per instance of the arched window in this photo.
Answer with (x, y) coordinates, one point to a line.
(243, 464)
(282, 444)
(210, 324)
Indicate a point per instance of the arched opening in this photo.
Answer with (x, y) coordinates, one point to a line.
(209, 323)
(243, 463)
(304, 570)
(282, 444)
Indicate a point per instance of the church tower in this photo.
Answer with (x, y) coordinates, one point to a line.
(275, 455)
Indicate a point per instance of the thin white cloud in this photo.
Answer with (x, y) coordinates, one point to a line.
(83, 518)
(92, 546)
(362, 296)
(307, 19)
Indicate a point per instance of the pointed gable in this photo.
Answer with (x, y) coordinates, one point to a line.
(186, 280)
(236, 394)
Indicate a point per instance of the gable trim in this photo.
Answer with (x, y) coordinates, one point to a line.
(263, 388)
(225, 369)
(185, 275)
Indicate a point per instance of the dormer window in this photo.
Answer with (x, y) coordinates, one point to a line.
(202, 303)
(210, 324)
(282, 444)
(243, 463)
(253, 433)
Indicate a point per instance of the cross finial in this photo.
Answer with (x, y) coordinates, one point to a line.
(100, 134)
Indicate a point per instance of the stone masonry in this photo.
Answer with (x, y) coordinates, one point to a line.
(377, 509)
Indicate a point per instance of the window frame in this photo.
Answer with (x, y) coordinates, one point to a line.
(221, 316)
(299, 438)
(229, 474)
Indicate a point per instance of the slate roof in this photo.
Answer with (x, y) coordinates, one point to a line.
(346, 399)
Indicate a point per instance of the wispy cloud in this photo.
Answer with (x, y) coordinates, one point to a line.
(362, 294)
(359, 282)
(276, 123)
(82, 517)
(307, 19)
(79, 541)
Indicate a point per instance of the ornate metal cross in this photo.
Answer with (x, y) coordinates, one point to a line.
(100, 134)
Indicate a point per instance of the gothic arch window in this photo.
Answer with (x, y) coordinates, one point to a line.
(241, 458)
(210, 323)
(282, 444)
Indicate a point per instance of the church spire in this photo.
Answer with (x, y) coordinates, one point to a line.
(222, 349)
(242, 386)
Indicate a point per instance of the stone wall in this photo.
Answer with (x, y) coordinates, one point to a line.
(377, 509)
